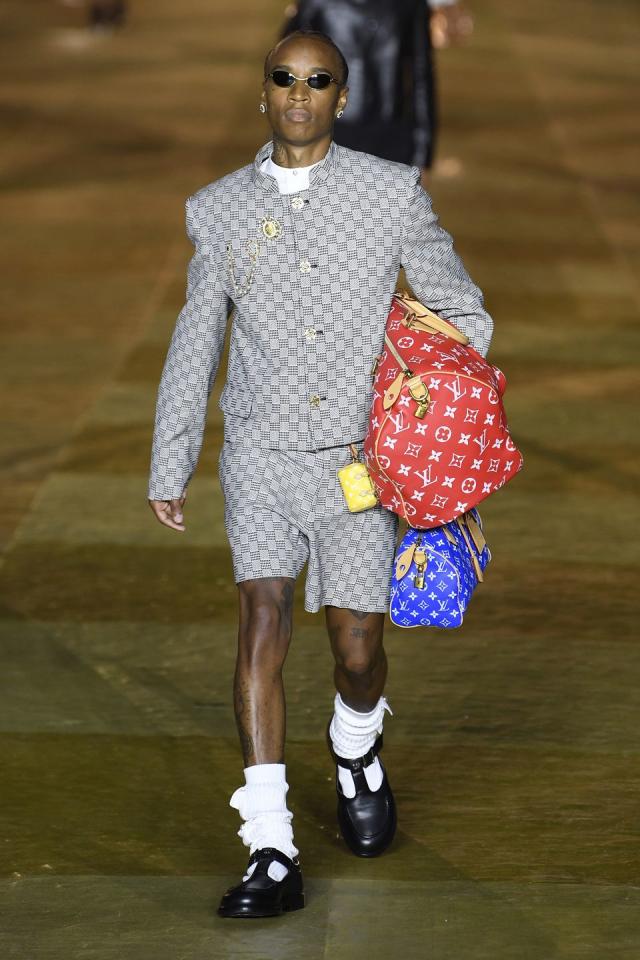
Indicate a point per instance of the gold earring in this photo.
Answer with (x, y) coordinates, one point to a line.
(262, 108)
(339, 114)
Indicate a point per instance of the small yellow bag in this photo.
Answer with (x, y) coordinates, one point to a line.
(356, 484)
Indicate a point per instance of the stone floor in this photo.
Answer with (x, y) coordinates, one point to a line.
(513, 749)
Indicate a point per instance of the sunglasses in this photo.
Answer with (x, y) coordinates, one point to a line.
(317, 81)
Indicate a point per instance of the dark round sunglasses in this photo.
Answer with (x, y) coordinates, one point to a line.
(317, 81)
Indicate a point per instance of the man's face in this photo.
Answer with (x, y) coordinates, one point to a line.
(299, 115)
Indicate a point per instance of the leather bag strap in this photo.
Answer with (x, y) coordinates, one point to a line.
(475, 531)
(396, 355)
(476, 563)
(421, 318)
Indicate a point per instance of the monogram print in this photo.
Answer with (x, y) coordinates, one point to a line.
(461, 428)
(437, 593)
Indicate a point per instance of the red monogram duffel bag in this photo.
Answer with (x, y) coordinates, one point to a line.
(437, 442)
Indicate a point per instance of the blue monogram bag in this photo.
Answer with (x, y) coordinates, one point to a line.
(436, 571)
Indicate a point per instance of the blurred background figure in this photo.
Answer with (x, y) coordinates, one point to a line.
(391, 108)
(451, 23)
(105, 15)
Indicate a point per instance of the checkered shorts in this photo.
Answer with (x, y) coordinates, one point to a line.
(284, 509)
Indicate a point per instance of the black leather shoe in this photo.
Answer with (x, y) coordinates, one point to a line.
(367, 821)
(260, 896)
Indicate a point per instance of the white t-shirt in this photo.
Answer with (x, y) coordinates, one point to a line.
(290, 179)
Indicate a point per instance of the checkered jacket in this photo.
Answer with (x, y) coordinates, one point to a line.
(309, 305)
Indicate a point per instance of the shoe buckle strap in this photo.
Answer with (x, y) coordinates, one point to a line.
(360, 762)
(272, 853)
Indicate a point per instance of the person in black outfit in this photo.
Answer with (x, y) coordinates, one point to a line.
(107, 14)
(391, 109)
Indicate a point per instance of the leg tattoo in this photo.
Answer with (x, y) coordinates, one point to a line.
(358, 614)
(242, 720)
(361, 663)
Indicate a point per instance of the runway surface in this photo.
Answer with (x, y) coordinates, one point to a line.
(513, 749)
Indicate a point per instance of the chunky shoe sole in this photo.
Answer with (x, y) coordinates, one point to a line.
(294, 902)
(259, 895)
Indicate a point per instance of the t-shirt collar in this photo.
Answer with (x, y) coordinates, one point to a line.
(319, 172)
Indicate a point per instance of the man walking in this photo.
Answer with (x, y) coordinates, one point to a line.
(305, 244)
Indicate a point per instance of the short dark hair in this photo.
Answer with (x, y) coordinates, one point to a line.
(321, 38)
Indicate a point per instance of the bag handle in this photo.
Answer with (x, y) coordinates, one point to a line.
(460, 522)
(421, 318)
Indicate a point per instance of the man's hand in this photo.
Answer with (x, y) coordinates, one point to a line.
(169, 512)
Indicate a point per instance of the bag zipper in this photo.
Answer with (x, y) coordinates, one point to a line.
(436, 553)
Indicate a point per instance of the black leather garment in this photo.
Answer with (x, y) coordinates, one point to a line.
(391, 106)
(260, 896)
(367, 821)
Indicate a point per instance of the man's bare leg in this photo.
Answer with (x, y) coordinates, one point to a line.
(361, 662)
(264, 635)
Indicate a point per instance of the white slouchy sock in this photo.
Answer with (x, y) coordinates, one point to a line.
(352, 734)
(262, 805)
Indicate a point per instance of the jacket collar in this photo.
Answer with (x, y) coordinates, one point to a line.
(319, 173)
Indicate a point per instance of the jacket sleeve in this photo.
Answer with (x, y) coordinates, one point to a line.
(436, 272)
(189, 372)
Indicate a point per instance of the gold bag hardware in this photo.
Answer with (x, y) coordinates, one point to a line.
(413, 552)
(420, 394)
(356, 484)
(420, 558)
(416, 387)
